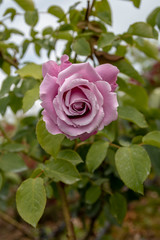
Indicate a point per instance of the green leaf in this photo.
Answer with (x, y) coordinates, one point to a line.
(92, 194)
(158, 20)
(26, 5)
(3, 104)
(62, 35)
(152, 138)
(136, 3)
(10, 11)
(82, 47)
(31, 17)
(31, 200)
(141, 29)
(57, 12)
(125, 67)
(12, 162)
(151, 19)
(105, 39)
(61, 170)
(1, 180)
(6, 85)
(96, 155)
(118, 206)
(50, 143)
(70, 155)
(30, 97)
(154, 154)
(14, 147)
(147, 47)
(135, 96)
(103, 11)
(133, 165)
(133, 115)
(31, 70)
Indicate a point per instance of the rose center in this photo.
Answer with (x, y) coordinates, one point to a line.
(78, 106)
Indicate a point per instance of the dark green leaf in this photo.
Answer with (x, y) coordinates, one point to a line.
(154, 154)
(118, 206)
(1, 180)
(30, 97)
(96, 155)
(14, 147)
(92, 194)
(158, 20)
(57, 12)
(62, 35)
(70, 155)
(10, 11)
(12, 162)
(82, 47)
(152, 138)
(3, 104)
(105, 39)
(31, 200)
(133, 115)
(103, 11)
(133, 165)
(125, 67)
(141, 29)
(6, 85)
(50, 143)
(31, 17)
(26, 5)
(61, 170)
(151, 19)
(147, 47)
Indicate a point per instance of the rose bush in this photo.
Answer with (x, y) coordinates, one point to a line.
(78, 100)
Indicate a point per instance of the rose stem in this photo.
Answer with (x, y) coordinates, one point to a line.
(69, 225)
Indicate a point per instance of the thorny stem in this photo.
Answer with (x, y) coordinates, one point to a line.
(69, 225)
(16, 224)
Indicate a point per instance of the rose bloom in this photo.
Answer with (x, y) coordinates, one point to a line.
(78, 100)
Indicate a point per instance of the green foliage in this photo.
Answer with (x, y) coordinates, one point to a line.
(103, 11)
(31, 17)
(82, 47)
(133, 165)
(92, 194)
(31, 200)
(118, 206)
(12, 162)
(70, 156)
(143, 30)
(50, 143)
(133, 115)
(105, 39)
(57, 12)
(31, 70)
(30, 97)
(27, 5)
(152, 138)
(96, 155)
(61, 170)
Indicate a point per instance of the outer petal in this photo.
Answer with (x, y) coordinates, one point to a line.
(64, 63)
(84, 70)
(48, 91)
(50, 125)
(110, 103)
(51, 68)
(108, 73)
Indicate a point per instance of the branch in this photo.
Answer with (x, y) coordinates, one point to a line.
(16, 224)
(66, 213)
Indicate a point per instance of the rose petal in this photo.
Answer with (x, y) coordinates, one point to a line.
(84, 70)
(110, 103)
(108, 73)
(48, 91)
(64, 63)
(50, 125)
(51, 68)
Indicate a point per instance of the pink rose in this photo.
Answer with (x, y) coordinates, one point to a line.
(78, 100)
